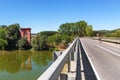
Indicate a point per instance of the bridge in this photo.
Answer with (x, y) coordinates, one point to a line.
(94, 61)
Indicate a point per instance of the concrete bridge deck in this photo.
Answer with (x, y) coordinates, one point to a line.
(105, 58)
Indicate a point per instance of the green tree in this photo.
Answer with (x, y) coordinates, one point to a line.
(35, 43)
(23, 44)
(2, 33)
(81, 27)
(12, 35)
(3, 41)
(89, 30)
(51, 40)
(40, 42)
(117, 33)
(78, 28)
(43, 43)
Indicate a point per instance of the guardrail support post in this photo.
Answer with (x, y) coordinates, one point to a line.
(69, 62)
(72, 55)
(56, 54)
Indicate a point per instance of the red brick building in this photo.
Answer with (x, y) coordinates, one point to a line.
(26, 32)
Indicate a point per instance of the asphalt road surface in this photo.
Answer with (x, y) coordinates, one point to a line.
(105, 59)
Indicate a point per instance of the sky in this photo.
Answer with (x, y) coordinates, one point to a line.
(48, 15)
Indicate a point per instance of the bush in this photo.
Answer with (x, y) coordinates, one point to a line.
(23, 44)
(36, 47)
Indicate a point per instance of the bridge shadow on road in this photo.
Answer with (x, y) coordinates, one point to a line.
(87, 69)
(78, 67)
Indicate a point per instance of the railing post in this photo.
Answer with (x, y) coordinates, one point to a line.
(72, 54)
(56, 54)
(69, 62)
(75, 56)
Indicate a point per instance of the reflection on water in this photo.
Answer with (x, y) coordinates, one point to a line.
(23, 65)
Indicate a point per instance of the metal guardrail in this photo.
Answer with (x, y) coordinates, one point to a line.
(53, 72)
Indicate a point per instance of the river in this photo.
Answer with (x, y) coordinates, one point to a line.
(23, 65)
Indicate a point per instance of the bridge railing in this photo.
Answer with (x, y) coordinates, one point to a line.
(54, 71)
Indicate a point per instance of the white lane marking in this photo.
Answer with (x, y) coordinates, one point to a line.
(107, 50)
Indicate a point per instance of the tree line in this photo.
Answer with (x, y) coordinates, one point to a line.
(56, 40)
(108, 33)
(50, 42)
(10, 38)
(80, 29)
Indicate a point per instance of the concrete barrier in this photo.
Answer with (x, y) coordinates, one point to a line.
(53, 72)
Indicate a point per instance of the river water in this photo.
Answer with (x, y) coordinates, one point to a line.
(23, 65)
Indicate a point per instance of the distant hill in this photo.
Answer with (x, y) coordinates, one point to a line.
(108, 33)
(117, 29)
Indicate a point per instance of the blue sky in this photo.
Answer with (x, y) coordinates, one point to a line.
(43, 15)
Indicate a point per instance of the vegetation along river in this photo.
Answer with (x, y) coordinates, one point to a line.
(23, 65)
